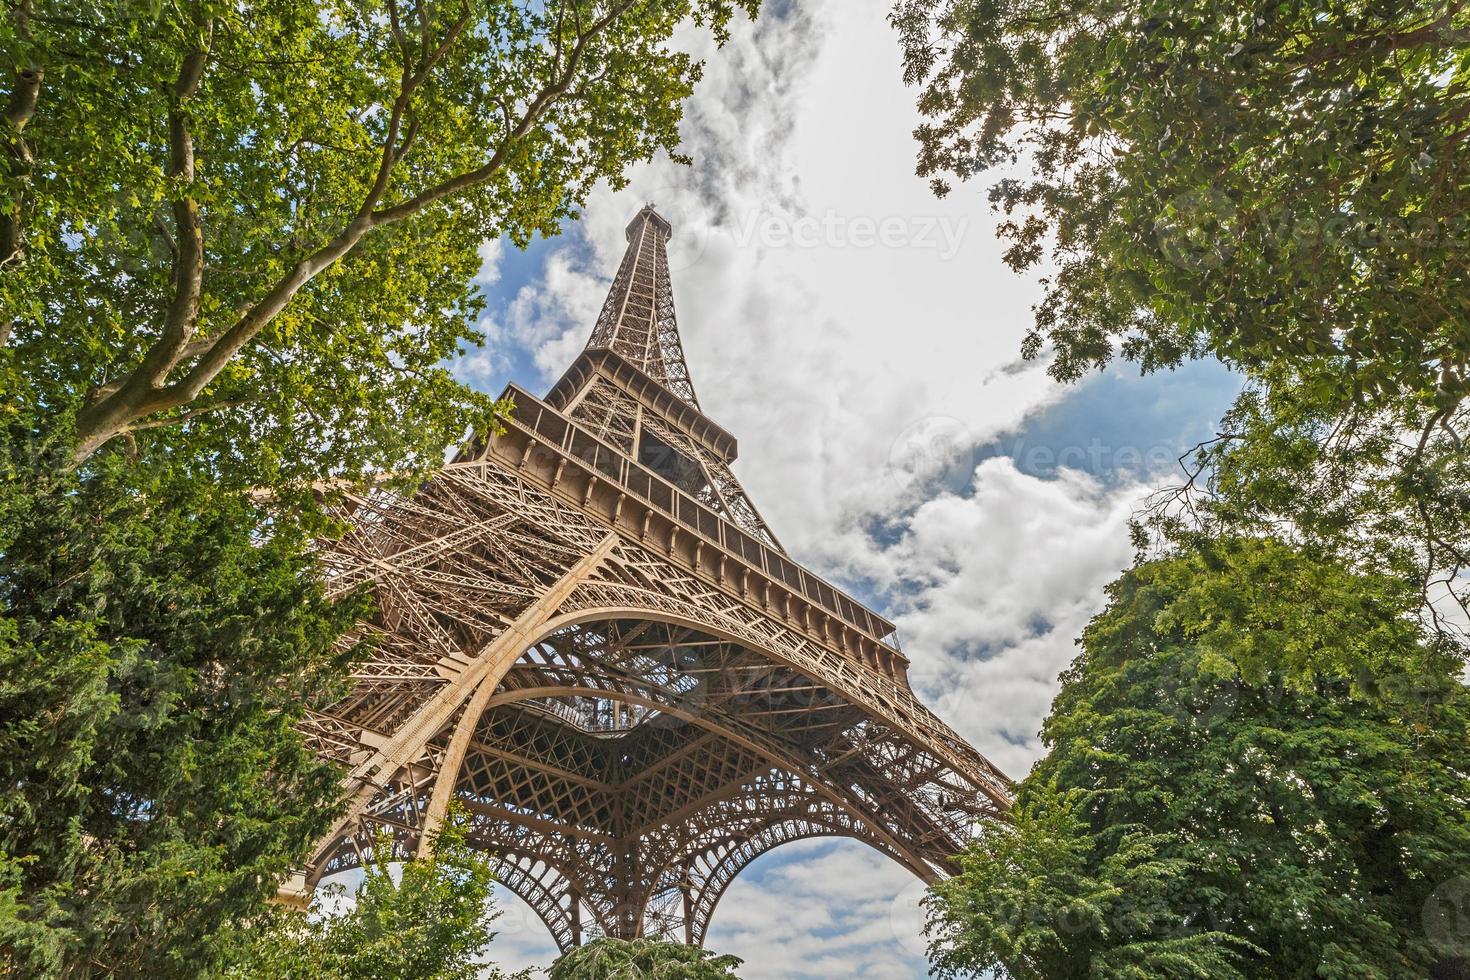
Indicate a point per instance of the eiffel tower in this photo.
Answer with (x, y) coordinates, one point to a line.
(587, 634)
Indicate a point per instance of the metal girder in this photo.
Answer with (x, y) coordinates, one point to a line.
(632, 700)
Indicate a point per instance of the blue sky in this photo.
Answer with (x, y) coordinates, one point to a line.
(860, 339)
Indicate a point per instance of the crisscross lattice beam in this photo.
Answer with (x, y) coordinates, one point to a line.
(586, 633)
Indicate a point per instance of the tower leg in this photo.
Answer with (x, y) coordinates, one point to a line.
(629, 908)
(687, 891)
(575, 910)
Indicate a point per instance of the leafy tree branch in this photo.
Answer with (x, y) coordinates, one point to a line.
(296, 216)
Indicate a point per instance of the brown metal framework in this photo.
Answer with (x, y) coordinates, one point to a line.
(588, 634)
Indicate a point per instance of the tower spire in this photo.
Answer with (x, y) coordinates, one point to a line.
(637, 320)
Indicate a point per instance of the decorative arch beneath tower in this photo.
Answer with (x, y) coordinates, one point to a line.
(689, 923)
(770, 784)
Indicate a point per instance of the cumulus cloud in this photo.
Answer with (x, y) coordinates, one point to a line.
(491, 252)
(480, 366)
(823, 909)
(832, 347)
(991, 587)
(521, 941)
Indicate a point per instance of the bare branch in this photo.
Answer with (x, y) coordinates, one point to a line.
(560, 82)
(159, 423)
(25, 91)
(219, 351)
(115, 405)
(432, 61)
(168, 236)
(1439, 31)
(425, 28)
(22, 106)
(188, 245)
(393, 150)
(397, 29)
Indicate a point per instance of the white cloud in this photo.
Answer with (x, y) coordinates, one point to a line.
(479, 366)
(992, 588)
(830, 352)
(491, 252)
(822, 909)
(521, 941)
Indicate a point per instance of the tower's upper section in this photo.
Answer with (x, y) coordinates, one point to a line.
(630, 388)
(637, 320)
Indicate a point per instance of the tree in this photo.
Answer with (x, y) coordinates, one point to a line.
(431, 924)
(237, 241)
(1280, 186)
(1279, 183)
(636, 959)
(157, 647)
(259, 221)
(1271, 744)
(1382, 490)
(1043, 896)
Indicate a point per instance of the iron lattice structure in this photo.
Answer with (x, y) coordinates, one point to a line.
(588, 635)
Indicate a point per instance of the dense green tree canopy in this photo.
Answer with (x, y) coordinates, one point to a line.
(1279, 184)
(1261, 740)
(1044, 896)
(642, 959)
(155, 654)
(1269, 181)
(432, 923)
(1382, 490)
(1224, 762)
(260, 220)
(238, 241)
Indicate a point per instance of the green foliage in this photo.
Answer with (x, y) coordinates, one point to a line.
(254, 226)
(237, 245)
(156, 651)
(1260, 611)
(1275, 183)
(432, 924)
(1042, 896)
(1206, 742)
(642, 959)
(1280, 185)
(1386, 490)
